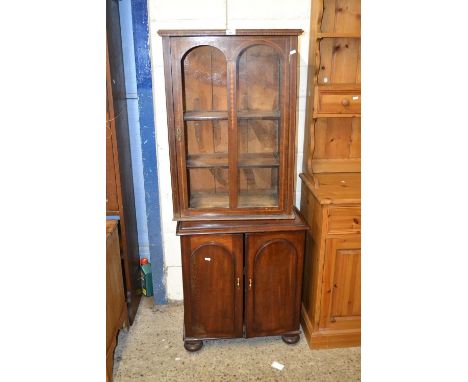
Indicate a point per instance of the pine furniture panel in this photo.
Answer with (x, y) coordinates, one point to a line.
(331, 182)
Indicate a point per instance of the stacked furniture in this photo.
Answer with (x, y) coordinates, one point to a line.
(116, 308)
(331, 190)
(231, 101)
(120, 199)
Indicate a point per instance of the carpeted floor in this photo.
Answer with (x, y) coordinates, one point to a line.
(152, 350)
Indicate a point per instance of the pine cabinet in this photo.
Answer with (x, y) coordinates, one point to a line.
(331, 178)
(341, 293)
(240, 281)
(231, 102)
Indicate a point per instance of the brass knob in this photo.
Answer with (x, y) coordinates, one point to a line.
(238, 283)
(345, 102)
(250, 283)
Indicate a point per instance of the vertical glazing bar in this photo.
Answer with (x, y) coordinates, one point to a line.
(232, 133)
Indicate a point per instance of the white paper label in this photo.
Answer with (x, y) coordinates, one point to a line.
(277, 365)
(355, 98)
(230, 31)
(292, 52)
(207, 258)
(325, 80)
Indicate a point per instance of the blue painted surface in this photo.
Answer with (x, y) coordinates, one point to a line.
(126, 27)
(148, 145)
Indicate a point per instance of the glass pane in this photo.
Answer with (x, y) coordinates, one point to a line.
(206, 127)
(259, 126)
(208, 188)
(207, 143)
(258, 187)
(205, 79)
(259, 79)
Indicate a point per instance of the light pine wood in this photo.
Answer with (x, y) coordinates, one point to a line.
(331, 182)
(338, 99)
(339, 58)
(341, 16)
(331, 299)
(334, 188)
(336, 165)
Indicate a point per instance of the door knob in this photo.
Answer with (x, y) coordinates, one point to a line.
(345, 102)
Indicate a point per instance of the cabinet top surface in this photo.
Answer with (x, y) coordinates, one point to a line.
(242, 226)
(334, 188)
(226, 32)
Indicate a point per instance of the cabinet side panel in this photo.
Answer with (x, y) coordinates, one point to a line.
(170, 125)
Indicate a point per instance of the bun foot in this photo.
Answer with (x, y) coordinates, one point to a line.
(291, 339)
(193, 346)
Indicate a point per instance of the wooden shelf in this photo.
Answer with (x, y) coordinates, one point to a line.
(205, 115)
(336, 115)
(223, 115)
(264, 198)
(207, 160)
(221, 160)
(337, 35)
(258, 114)
(258, 160)
(209, 200)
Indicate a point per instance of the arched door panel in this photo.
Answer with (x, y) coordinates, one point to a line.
(273, 282)
(212, 271)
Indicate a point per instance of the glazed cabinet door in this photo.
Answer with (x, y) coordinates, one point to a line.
(273, 282)
(212, 271)
(341, 297)
(233, 136)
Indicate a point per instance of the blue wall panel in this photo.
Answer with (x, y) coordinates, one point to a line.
(126, 25)
(148, 145)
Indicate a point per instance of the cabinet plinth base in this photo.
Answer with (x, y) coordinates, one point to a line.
(291, 339)
(192, 345)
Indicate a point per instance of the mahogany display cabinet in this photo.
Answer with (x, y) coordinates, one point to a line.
(231, 101)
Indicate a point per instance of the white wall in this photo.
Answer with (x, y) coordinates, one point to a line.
(215, 14)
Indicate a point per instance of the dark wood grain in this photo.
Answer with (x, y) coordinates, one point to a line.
(116, 309)
(212, 273)
(273, 282)
(222, 32)
(231, 95)
(241, 226)
(120, 142)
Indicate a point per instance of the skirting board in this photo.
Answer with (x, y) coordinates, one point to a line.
(326, 339)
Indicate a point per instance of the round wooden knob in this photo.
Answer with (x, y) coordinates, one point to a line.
(345, 102)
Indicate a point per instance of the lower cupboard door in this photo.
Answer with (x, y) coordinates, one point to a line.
(341, 288)
(273, 282)
(212, 269)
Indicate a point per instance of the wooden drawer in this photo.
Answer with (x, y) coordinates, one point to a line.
(337, 100)
(342, 220)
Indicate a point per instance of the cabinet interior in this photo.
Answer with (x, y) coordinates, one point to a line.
(258, 124)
